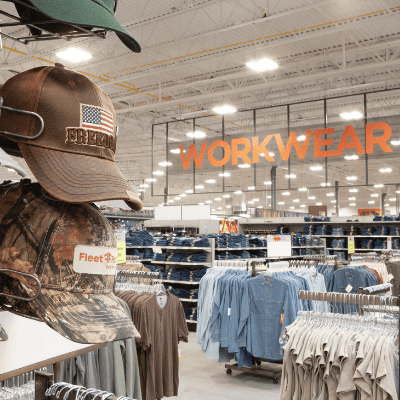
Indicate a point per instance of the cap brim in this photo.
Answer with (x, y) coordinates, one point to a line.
(3, 334)
(76, 178)
(86, 13)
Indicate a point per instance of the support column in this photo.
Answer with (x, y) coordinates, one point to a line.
(337, 197)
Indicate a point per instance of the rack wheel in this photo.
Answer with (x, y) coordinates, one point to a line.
(258, 362)
(229, 371)
(275, 380)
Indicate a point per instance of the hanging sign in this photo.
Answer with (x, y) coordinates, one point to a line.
(350, 244)
(279, 245)
(121, 245)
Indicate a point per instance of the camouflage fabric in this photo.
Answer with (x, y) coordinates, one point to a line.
(3, 334)
(40, 236)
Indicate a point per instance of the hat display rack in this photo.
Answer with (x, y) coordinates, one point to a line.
(81, 32)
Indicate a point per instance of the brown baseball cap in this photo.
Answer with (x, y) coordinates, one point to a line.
(73, 159)
(71, 249)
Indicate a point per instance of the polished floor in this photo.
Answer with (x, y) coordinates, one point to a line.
(200, 378)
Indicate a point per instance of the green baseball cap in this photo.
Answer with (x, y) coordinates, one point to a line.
(87, 13)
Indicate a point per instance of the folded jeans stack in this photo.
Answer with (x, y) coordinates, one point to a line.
(341, 255)
(378, 218)
(338, 231)
(176, 242)
(190, 313)
(380, 244)
(192, 275)
(162, 242)
(261, 253)
(388, 218)
(396, 244)
(381, 230)
(143, 237)
(367, 231)
(394, 231)
(308, 229)
(257, 242)
(203, 242)
(354, 230)
(224, 255)
(160, 257)
(281, 230)
(367, 244)
(197, 258)
(338, 243)
(322, 230)
(146, 254)
(171, 274)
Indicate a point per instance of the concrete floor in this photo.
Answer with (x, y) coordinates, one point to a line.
(200, 378)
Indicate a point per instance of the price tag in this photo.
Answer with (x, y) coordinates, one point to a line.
(121, 245)
(350, 245)
(349, 288)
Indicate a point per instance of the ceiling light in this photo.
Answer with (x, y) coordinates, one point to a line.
(251, 188)
(219, 208)
(213, 209)
(319, 204)
(161, 205)
(281, 202)
(196, 134)
(351, 157)
(325, 184)
(201, 204)
(228, 206)
(375, 195)
(397, 191)
(244, 165)
(226, 196)
(268, 183)
(165, 164)
(316, 168)
(271, 153)
(333, 201)
(302, 189)
(177, 198)
(210, 181)
(159, 173)
(74, 55)
(296, 201)
(379, 185)
(144, 185)
(208, 201)
(225, 109)
(395, 142)
(244, 215)
(330, 194)
(392, 199)
(189, 191)
(250, 202)
(385, 170)
(199, 187)
(225, 174)
(176, 151)
(256, 200)
(352, 204)
(183, 195)
(268, 197)
(352, 198)
(292, 176)
(292, 208)
(302, 205)
(263, 64)
(353, 190)
(285, 193)
(151, 180)
(141, 190)
(238, 192)
(351, 178)
(387, 205)
(312, 197)
(170, 201)
(351, 115)
(217, 199)
(301, 138)
(259, 206)
(371, 202)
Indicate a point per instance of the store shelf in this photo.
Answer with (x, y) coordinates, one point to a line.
(140, 247)
(188, 300)
(371, 249)
(184, 248)
(338, 249)
(356, 236)
(239, 248)
(181, 282)
(206, 264)
(245, 259)
(190, 321)
(127, 217)
(308, 247)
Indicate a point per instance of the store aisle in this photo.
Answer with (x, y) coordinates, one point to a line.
(200, 378)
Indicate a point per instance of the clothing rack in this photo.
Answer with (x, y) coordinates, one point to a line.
(372, 290)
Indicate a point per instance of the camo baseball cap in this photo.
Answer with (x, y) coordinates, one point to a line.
(72, 250)
(3, 334)
(73, 159)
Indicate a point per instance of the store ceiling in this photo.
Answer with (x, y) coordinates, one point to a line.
(193, 58)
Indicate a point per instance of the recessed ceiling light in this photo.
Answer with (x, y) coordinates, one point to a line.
(302, 205)
(196, 134)
(176, 151)
(351, 115)
(301, 138)
(226, 196)
(316, 168)
(199, 187)
(285, 193)
(218, 199)
(256, 199)
(159, 173)
(144, 185)
(281, 202)
(268, 183)
(387, 205)
(352, 198)
(263, 64)
(244, 165)
(208, 201)
(371, 202)
(325, 184)
(352, 204)
(292, 208)
(351, 157)
(210, 181)
(238, 192)
(219, 208)
(271, 153)
(189, 191)
(375, 195)
(291, 176)
(228, 206)
(259, 206)
(351, 178)
(141, 190)
(385, 170)
(201, 204)
(225, 109)
(151, 180)
(318, 204)
(268, 197)
(379, 185)
(302, 189)
(333, 201)
(170, 201)
(213, 209)
(392, 199)
(161, 205)
(251, 202)
(330, 194)
(165, 164)
(395, 142)
(312, 197)
(224, 174)
(74, 55)
(353, 190)
(183, 195)
(177, 198)
(296, 201)
(251, 188)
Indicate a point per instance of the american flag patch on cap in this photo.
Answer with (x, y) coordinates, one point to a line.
(97, 118)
